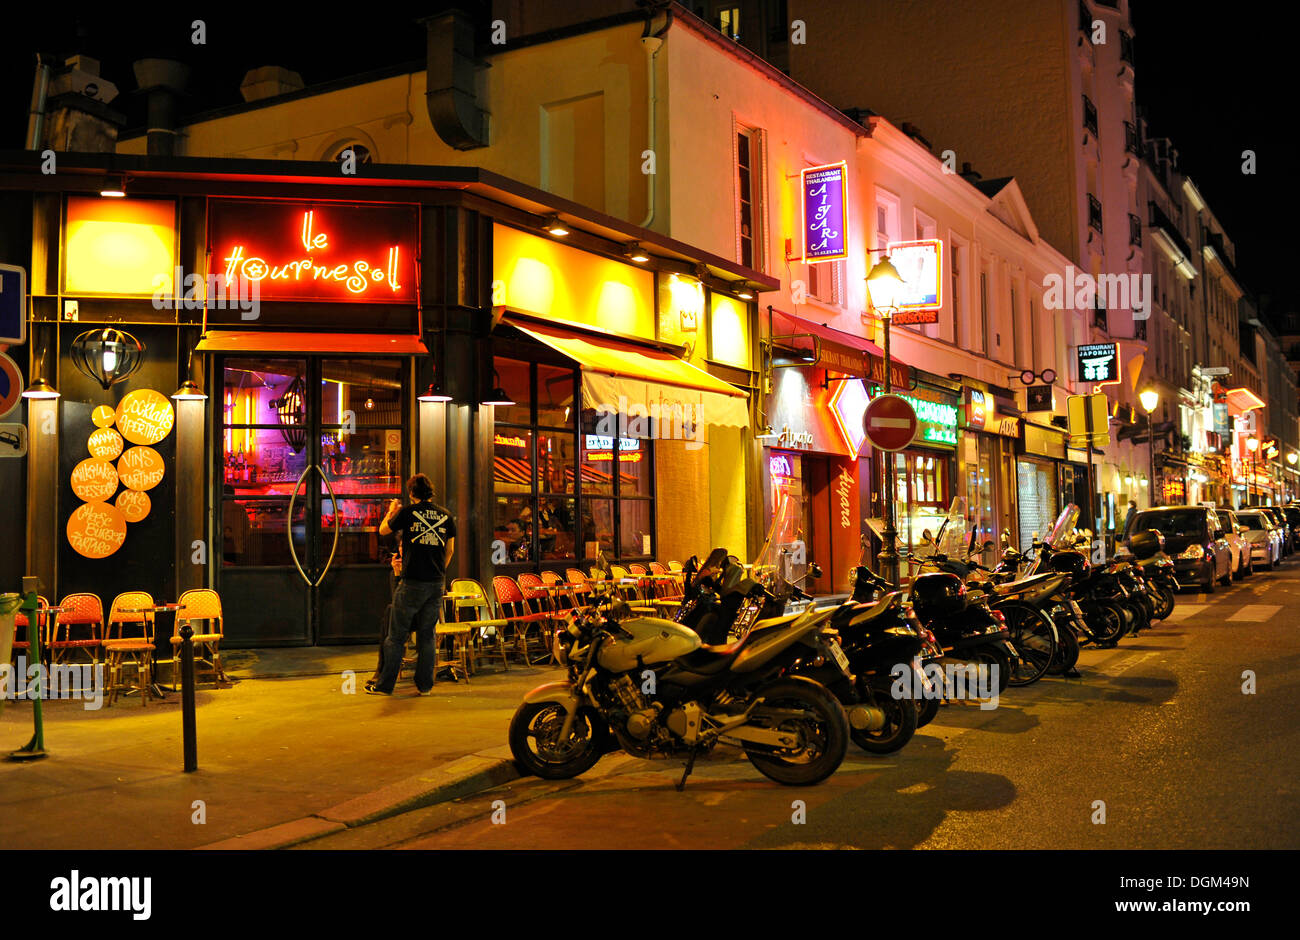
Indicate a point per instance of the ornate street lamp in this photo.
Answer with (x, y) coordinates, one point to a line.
(107, 355)
(1150, 398)
(883, 287)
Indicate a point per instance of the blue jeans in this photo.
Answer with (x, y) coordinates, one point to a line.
(416, 606)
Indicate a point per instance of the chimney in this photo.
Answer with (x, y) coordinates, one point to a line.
(76, 112)
(269, 81)
(914, 132)
(162, 81)
(451, 76)
(968, 174)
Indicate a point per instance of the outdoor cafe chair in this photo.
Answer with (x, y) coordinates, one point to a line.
(580, 584)
(491, 630)
(77, 610)
(522, 619)
(20, 620)
(122, 651)
(561, 590)
(534, 590)
(201, 605)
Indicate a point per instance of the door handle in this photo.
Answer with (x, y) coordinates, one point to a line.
(289, 524)
(335, 547)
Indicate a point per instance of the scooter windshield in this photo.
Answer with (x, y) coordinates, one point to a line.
(956, 529)
(782, 559)
(1061, 534)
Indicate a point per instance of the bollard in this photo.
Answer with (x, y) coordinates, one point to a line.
(35, 748)
(187, 699)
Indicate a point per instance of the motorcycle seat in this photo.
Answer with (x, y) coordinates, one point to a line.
(709, 659)
(872, 611)
(1024, 585)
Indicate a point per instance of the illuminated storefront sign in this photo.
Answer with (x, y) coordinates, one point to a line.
(779, 466)
(938, 420)
(824, 190)
(600, 447)
(315, 251)
(1099, 363)
(119, 246)
(976, 404)
(503, 441)
(920, 265)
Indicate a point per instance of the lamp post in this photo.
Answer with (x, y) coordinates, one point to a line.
(1150, 398)
(883, 285)
(1252, 445)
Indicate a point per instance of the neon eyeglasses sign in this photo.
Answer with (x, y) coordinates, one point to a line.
(312, 251)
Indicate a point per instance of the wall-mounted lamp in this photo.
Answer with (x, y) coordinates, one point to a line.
(40, 389)
(114, 186)
(555, 226)
(498, 395)
(107, 355)
(634, 252)
(434, 393)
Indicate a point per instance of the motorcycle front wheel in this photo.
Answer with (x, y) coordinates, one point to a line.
(1165, 607)
(1034, 637)
(1067, 651)
(536, 746)
(814, 715)
(900, 718)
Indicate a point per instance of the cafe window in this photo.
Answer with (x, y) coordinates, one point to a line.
(562, 486)
(922, 489)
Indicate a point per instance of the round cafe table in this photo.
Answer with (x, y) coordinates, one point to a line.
(154, 688)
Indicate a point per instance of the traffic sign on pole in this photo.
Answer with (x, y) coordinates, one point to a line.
(13, 304)
(890, 422)
(11, 386)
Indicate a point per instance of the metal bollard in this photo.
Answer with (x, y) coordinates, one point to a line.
(187, 699)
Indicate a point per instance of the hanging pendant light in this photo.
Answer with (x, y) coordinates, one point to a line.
(107, 355)
(291, 412)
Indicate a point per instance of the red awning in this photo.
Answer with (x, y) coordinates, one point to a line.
(1242, 400)
(840, 351)
(361, 344)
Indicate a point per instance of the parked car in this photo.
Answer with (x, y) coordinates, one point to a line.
(1292, 516)
(1234, 532)
(1283, 527)
(1195, 541)
(1264, 538)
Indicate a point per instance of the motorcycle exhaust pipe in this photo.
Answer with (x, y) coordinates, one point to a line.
(866, 718)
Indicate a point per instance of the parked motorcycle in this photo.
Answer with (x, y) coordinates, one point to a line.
(661, 692)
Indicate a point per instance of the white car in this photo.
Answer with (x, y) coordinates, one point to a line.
(1265, 541)
(1242, 565)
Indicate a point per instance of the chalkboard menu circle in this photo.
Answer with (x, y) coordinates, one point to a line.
(96, 530)
(141, 468)
(133, 504)
(106, 444)
(103, 416)
(94, 479)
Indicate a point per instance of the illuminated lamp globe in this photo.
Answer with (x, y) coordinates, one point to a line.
(1252, 444)
(1150, 399)
(884, 285)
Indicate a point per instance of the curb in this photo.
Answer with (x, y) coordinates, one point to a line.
(458, 778)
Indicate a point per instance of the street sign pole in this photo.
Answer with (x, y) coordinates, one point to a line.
(1089, 515)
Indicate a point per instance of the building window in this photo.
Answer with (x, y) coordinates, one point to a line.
(1131, 137)
(729, 22)
(1094, 212)
(1089, 116)
(1126, 47)
(1134, 230)
(618, 491)
(984, 312)
(1099, 316)
(824, 280)
(749, 197)
(957, 269)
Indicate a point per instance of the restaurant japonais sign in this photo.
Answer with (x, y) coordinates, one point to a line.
(824, 190)
(312, 251)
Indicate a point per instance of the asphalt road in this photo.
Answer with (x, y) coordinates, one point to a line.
(1158, 730)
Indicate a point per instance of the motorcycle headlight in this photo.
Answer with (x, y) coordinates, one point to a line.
(1193, 551)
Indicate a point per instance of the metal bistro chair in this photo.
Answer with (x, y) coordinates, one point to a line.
(202, 605)
(78, 610)
(561, 591)
(581, 586)
(20, 620)
(122, 651)
(520, 616)
(535, 592)
(644, 586)
(490, 629)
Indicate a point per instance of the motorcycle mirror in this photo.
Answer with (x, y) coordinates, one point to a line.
(814, 571)
(988, 544)
(926, 536)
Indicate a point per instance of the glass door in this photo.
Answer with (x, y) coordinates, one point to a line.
(311, 451)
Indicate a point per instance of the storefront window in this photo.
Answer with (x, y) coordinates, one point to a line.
(922, 490)
(1036, 488)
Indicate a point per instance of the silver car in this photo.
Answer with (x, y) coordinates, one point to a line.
(1263, 536)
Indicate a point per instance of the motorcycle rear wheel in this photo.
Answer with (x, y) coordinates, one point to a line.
(926, 710)
(1107, 623)
(1067, 651)
(1167, 600)
(900, 718)
(1034, 637)
(824, 733)
(540, 723)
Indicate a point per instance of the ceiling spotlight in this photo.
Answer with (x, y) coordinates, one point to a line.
(744, 291)
(555, 226)
(498, 397)
(114, 186)
(633, 252)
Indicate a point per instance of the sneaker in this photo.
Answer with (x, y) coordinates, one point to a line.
(376, 690)
(418, 692)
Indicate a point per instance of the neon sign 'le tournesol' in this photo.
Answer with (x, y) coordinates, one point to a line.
(357, 275)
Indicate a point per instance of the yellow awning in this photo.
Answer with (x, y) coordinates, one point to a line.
(617, 376)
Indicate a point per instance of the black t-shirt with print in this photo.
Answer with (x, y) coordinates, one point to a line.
(425, 529)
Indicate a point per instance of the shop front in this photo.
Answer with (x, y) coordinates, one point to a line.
(1038, 477)
(988, 455)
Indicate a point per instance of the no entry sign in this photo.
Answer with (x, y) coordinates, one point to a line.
(890, 422)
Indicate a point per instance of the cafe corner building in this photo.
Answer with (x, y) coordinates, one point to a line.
(233, 367)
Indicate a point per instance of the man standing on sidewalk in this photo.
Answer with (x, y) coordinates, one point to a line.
(428, 542)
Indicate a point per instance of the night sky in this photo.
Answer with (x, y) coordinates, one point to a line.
(1202, 80)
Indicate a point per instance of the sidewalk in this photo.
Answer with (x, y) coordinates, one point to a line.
(271, 751)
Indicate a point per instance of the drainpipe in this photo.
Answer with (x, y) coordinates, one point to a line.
(162, 81)
(652, 43)
(36, 117)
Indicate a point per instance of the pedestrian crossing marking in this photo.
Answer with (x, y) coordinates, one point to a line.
(1183, 611)
(1256, 612)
